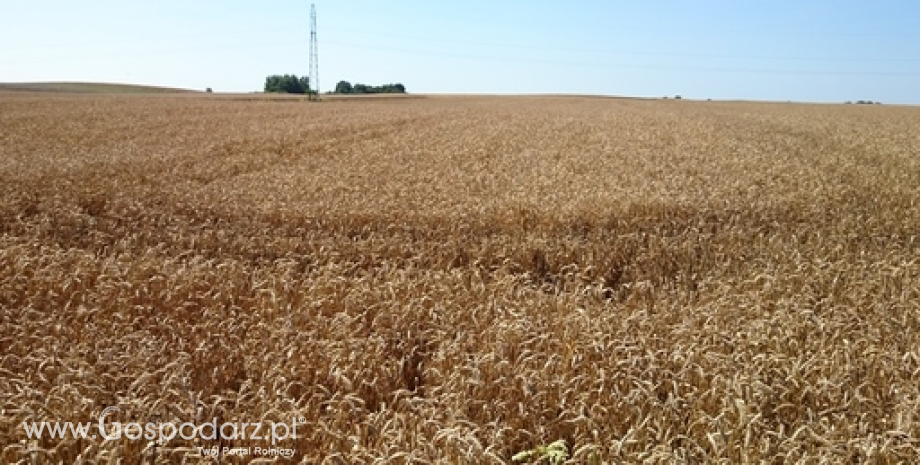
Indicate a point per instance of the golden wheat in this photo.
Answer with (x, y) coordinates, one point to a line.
(457, 280)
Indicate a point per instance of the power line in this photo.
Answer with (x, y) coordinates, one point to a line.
(630, 66)
(314, 55)
(81, 45)
(626, 52)
(193, 50)
(198, 50)
(907, 29)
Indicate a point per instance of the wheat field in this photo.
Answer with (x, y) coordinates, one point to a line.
(463, 279)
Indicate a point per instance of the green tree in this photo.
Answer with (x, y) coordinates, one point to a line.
(343, 87)
(287, 83)
(359, 88)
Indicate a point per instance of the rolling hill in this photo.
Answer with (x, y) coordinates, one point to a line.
(88, 88)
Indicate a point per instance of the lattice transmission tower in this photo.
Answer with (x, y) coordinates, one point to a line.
(314, 56)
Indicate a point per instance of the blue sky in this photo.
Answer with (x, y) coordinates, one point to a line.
(818, 50)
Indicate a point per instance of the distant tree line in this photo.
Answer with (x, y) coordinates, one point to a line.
(288, 84)
(345, 87)
(865, 102)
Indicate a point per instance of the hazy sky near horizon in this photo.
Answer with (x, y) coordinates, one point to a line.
(807, 50)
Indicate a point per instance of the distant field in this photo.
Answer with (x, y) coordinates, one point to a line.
(460, 279)
(87, 88)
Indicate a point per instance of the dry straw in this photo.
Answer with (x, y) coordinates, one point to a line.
(459, 280)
